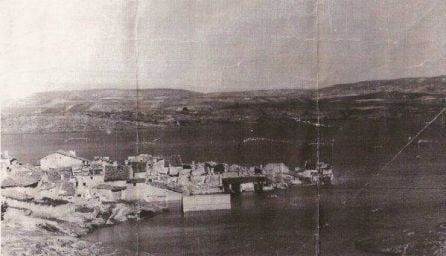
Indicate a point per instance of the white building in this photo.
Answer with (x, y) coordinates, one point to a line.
(62, 159)
(84, 184)
(276, 168)
(159, 167)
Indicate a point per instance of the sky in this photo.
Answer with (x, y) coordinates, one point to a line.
(214, 45)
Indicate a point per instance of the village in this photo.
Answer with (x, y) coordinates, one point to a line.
(66, 196)
(62, 176)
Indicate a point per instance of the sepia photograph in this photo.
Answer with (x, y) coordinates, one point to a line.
(223, 127)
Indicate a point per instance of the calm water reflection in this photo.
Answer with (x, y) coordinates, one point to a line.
(406, 197)
(258, 224)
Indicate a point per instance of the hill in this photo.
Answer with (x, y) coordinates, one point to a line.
(122, 109)
(431, 85)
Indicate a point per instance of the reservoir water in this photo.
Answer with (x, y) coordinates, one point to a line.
(281, 223)
(367, 210)
(256, 225)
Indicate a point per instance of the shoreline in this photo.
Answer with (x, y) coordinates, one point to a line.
(31, 229)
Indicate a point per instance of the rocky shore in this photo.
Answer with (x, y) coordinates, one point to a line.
(29, 228)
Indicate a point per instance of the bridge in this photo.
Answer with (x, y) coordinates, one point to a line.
(232, 184)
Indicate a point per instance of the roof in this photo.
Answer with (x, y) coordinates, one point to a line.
(113, 173)
(68, 154)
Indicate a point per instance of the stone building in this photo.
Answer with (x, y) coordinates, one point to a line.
(62, 159)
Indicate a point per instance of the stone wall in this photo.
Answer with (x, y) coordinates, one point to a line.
(206, 202)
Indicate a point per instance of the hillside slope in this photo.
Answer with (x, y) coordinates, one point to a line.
(431, 85)
(121, 109)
